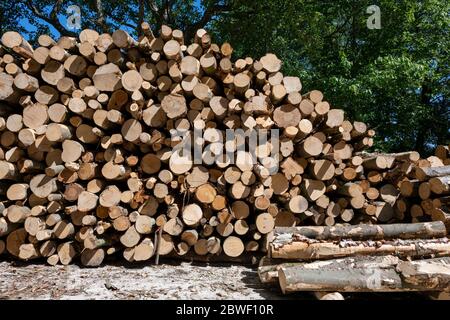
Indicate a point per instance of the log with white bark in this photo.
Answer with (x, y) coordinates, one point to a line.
(90, 145)
(427, 173)
(366, 274)
(425, 230)
(307, 249)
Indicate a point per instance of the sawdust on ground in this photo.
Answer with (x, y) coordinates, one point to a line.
(171, 280)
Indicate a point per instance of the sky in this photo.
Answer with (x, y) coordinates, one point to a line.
(24, 22)
(27, 25)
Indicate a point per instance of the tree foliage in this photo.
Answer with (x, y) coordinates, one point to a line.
(395, 78)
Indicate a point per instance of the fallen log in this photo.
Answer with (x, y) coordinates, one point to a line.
(307, 249)
(90, 158)
(425, 230)
(427, 173)
(367, 274)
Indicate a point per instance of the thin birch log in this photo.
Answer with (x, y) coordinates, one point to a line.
(367, 274)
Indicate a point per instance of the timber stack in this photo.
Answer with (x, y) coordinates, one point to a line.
(426, 193)
(360, 258)
(91, 164)
(414, 189)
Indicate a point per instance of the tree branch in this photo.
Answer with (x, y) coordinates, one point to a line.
(153, 6)
(55, 10)
(208, 15)
(339, 28)
(156, 11)
(141, 16)
(165, 13)
(170, 10)
(101, 22)
(129, 25)
(126, 24)
(53, 19)
(210, 12)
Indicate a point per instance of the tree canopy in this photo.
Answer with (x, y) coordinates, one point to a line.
(396, 78)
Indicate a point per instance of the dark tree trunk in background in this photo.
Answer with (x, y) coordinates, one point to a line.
(425, 97)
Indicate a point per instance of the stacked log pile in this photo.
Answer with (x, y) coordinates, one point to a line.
(443, 153)
(414, 189)
(426, 193)
(90, 164)
(364, 258)
(428, 200)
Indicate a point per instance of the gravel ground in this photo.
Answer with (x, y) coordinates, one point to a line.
(171, 280)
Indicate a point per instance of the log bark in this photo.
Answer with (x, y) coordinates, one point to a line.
(427, 173)
(369, 274)
(425, 230)
(307, 250)
(89, 154)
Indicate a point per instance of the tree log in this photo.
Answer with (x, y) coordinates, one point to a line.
(425, 230)
(366, 274)
(307, 250)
